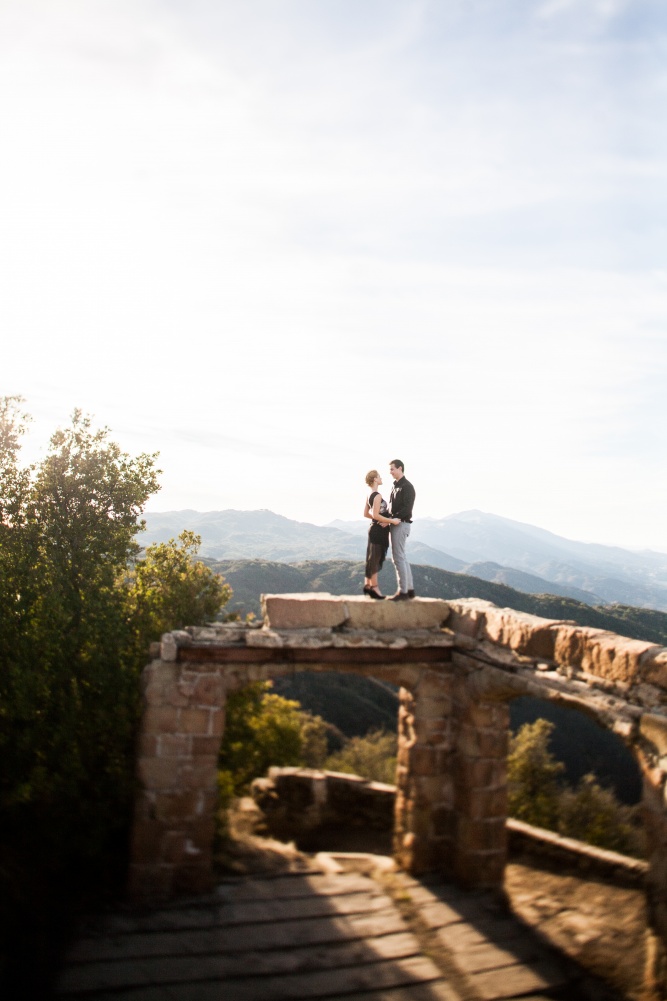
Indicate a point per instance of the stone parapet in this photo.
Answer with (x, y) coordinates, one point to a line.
(631, 667)
(298, 802)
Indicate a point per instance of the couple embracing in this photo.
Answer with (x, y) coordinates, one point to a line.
(393, 521)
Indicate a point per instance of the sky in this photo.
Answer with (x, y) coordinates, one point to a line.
(282, 242)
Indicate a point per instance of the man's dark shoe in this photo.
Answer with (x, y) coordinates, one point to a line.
(399, 596)
(411, 593)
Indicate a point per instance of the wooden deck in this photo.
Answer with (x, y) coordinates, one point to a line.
(318, 935)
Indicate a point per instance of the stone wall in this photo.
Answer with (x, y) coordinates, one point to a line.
(297, 803)
(458, 664)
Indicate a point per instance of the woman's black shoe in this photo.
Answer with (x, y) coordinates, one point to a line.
(372, 593)
(367, 589)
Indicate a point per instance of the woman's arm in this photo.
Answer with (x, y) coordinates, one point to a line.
(380, 517)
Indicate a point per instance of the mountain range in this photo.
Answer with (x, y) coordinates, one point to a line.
(473, 543)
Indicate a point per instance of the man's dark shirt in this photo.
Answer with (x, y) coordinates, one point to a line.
(402, 499)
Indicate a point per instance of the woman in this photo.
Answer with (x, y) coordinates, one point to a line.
(378, 534)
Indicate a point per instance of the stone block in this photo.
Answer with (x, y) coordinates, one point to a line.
(467, 616)
(480, 773)
(654, 666)
(482, 804)
(444, 821)
(158, 773)
(602, 654)
(170, 745)
(263, 638)
(159, 720)
(177, 807)
(208, 690)
(147, 841)
(419, 613)
(615, 658)
(481, 835)
(195, 721)
(570, 644)
(160, 682)
(654, 729)
(425, 760)
(303, 611)
(520, 631)
(480, 870)
(205, 745)
(201, 775)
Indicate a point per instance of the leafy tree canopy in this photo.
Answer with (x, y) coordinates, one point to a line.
(78, 610)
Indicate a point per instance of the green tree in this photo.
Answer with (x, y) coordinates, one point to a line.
(169, 589)
(533, 776)
(263, 729)
(68, 685)
(593, 814)
(373, 757)
(68, 530)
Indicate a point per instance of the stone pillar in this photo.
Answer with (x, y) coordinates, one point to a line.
(655, 827)
(480, 791)
(179, 742)
(424, 827)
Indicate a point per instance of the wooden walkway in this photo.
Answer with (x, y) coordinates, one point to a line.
(319, 934)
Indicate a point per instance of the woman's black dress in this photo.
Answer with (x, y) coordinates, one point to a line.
(378, 539)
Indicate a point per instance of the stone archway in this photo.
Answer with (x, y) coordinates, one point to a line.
(457, 664)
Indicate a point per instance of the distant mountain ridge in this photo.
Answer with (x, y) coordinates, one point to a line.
(481, 545)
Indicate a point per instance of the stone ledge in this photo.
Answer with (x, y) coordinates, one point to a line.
(301, 611)
(298, 800)
(618, 660)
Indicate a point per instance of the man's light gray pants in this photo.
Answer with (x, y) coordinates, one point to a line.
(399, 537)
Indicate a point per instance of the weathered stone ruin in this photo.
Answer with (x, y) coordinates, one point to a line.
(458, 665)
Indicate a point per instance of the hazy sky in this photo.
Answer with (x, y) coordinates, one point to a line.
(285, 241)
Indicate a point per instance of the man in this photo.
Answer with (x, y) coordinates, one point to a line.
(401, 503)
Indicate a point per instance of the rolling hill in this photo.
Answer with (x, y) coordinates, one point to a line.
(522, 557)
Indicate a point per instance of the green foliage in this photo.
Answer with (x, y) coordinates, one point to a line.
(263, 729)
(533, 776)
(588, 812)
(68, 528)
(372, 757)
(78, 609)
(592, 814)
(169, 589)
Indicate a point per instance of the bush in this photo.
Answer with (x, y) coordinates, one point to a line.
(588, 812)
(372, 757)
(263, 729)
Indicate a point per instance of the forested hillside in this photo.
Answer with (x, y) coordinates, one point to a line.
(251, 578)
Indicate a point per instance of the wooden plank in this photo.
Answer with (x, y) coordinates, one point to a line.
(285, 934)
(289, 887)
(435, 990)
(222, 967)
(306, 907)
(325, 984)
(251, 912)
